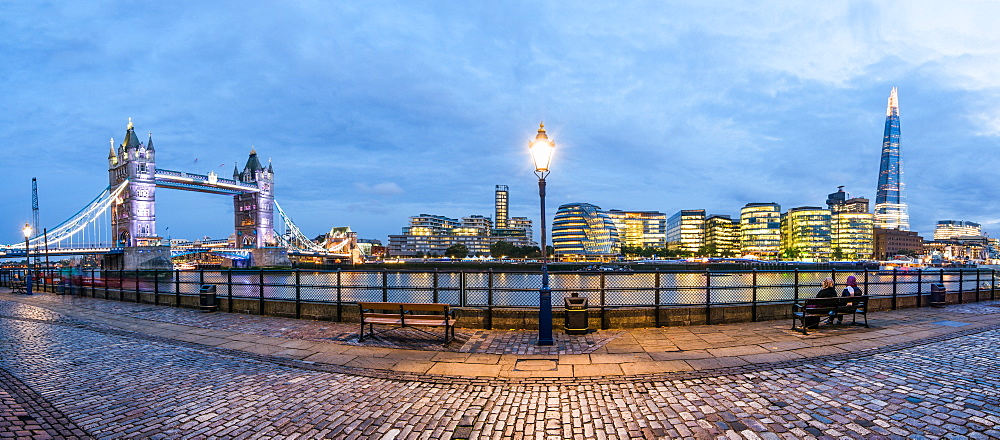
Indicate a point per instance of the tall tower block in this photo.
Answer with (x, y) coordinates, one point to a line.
(500, 203)
(890, 199)
(133, 216)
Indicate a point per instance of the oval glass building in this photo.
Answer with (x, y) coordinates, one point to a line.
(582, 231)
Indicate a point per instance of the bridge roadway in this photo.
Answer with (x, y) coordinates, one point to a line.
(79, 367)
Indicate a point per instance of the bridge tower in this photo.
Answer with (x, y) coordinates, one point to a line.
(133, 215)
(254, 211)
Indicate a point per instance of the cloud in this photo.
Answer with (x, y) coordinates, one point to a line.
(382, 189)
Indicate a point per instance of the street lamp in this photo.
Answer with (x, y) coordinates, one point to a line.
(541, 152)
(27, 257)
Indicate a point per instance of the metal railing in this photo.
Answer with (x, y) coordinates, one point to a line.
(489, 289)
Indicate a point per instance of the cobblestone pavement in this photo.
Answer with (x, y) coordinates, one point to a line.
(72, 375)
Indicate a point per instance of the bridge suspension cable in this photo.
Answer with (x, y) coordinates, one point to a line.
(293, 238)
(87, 228)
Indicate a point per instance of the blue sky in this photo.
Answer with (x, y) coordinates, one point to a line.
(376, 111)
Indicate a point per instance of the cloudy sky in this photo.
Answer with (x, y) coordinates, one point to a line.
(375, 111)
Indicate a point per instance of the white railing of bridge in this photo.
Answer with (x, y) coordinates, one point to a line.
(89, 226)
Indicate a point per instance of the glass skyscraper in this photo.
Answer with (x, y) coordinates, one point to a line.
(581, 231)
(890, 200)
(805, 234)
(760, 230)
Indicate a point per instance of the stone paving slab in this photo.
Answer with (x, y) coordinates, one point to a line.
(614, 353)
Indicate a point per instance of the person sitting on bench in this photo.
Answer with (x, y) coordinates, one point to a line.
(828, 292)
(852, 289)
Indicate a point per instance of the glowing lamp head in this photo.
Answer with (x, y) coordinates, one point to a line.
(26, 230)
(541, 150)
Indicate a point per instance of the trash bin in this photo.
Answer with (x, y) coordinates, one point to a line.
(207, 299)
(576, 315)
(937, 295)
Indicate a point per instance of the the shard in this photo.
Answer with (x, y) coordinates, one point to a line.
(890, 199)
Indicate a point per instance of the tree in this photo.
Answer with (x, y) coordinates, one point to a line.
(503, 249)
(791, 253)
(457, 251)
(838, 254)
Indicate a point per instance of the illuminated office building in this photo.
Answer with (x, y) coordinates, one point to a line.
(686, 230)
(805, 234)
(852, 236)
(582, 231)
(500, 206)
(521, 224)
(645, 229)
(722, 236)
(432, 235)
(952, 229)
(890, 200)
(760, 230)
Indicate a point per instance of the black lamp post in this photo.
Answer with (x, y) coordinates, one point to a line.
(27, 257)
(541, 152)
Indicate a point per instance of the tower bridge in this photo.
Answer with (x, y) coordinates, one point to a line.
(120, 223)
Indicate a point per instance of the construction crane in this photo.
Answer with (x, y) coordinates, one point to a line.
(34, 205)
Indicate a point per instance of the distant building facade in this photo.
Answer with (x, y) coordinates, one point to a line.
(852, 236)
(805, 234)
(722, 236)
(645, 229)
(432, 235)
(581, 231)
(760, 230)
(952, 229)
(686, 230)
(891, 242)
(500, 203)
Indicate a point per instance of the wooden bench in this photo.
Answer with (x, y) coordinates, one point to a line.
(18, 287)
(815, 309)
(402, 314)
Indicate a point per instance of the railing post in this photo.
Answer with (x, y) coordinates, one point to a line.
(603, 296)
(708, 297)
(156, 287)
(137, 299)
(920, 286)
(298, 294)
(656, 299)
(121, 284)
(385, 285)
(867, 292)
(177, 288)
(796, 288)
(977, 284)
(753, 292)
(894, 274)
(993, 284)
(462, 284)
(489, 298)
(260, 288)
(961, 285)
(435, 280)
(340, 303)
(229, 288)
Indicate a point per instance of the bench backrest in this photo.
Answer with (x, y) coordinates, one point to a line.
(817, 304)
(405, 307)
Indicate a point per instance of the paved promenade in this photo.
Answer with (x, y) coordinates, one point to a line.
(88, 368)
